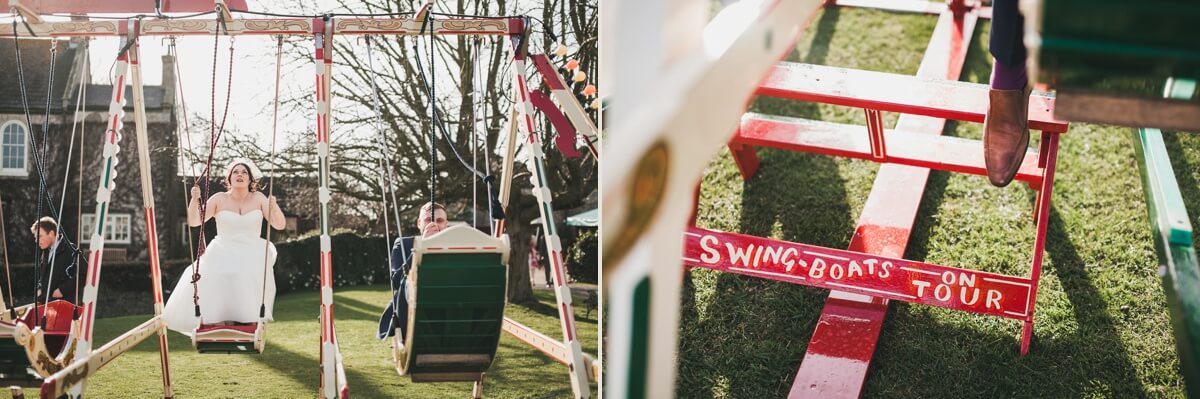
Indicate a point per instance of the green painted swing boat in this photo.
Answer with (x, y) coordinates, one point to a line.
(456, 306)
(1110, 60)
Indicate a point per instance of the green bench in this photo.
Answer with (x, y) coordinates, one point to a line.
(1179, 267)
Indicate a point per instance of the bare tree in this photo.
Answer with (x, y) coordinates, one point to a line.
(400, 69)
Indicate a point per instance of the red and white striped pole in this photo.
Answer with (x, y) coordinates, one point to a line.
(536, 164)
(323, 63)
(143, 147)
(107, 183)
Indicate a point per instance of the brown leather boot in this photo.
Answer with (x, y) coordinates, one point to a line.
(1005, 134)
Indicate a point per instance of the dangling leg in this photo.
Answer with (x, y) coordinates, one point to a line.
(1005, 128)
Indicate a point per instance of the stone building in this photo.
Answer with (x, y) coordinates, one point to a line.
(19, 177)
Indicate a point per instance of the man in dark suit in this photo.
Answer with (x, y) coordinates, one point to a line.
(432, 220)
(56, 274)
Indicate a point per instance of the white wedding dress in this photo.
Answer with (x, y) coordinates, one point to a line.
(231, 276)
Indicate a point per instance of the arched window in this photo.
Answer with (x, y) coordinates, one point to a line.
(14, 149)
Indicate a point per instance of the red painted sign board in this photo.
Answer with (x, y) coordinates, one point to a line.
(835, 269)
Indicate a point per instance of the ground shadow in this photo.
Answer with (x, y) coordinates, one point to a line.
(979, 356)
(751, 336)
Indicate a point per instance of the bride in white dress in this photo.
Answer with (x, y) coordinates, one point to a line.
(231, 269)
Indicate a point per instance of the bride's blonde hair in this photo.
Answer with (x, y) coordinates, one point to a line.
(255, 174)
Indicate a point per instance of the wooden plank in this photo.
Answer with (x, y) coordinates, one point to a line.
(914, 6)
(888, 277)
(906, 148)
(549, 346)
(935, 97)
(84, 366)
(1110, 109)
(832, 368)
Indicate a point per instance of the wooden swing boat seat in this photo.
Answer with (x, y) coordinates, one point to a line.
(235, 338)
(28, 355)
(1108, 59)
(457, 294)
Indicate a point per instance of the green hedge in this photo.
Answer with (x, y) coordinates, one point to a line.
(357, 260)
(582, 257)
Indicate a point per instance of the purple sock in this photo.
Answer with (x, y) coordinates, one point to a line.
(1005, 77)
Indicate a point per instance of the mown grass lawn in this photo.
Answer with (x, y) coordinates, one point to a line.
(288, 367)
(1101, 330)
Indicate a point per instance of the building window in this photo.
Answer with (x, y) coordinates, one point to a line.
(14, 149)
(116, 227)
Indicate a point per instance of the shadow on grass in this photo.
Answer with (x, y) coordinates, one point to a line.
(305, 370)
(540, 308)
(763, 325)
(1097, 336)
(931, 201)
(350, 308)
(517, 356)
(980, 357)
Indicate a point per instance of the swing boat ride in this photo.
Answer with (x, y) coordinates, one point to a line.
(33, 336)
(682, 109)
(431, 353)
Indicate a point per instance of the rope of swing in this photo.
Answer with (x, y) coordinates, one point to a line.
(432, 111)
(384, 180)
(385, 160)
(42, 189)
(80, 97)
(474, 54)
(477, 128)
(214, 135)
(183, 130)
(79, 190)
(437, 125)
(39, 155)
(387, 151)
(262, 308)
(37, 281)
(12, 308)
(28, 122)
(487, 157)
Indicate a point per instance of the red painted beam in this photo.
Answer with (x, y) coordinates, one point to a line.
(882, 276)
(840, 351)
(44, 7)
(906, 148)
(891, 92)
(912, 6)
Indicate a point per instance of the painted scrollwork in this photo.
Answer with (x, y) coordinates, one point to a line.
(175, 26)
(474, 25)
(388, 25)
(61, 28)
(285, 25)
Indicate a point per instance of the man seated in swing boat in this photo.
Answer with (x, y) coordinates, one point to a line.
(59, 268)
(432, 220)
